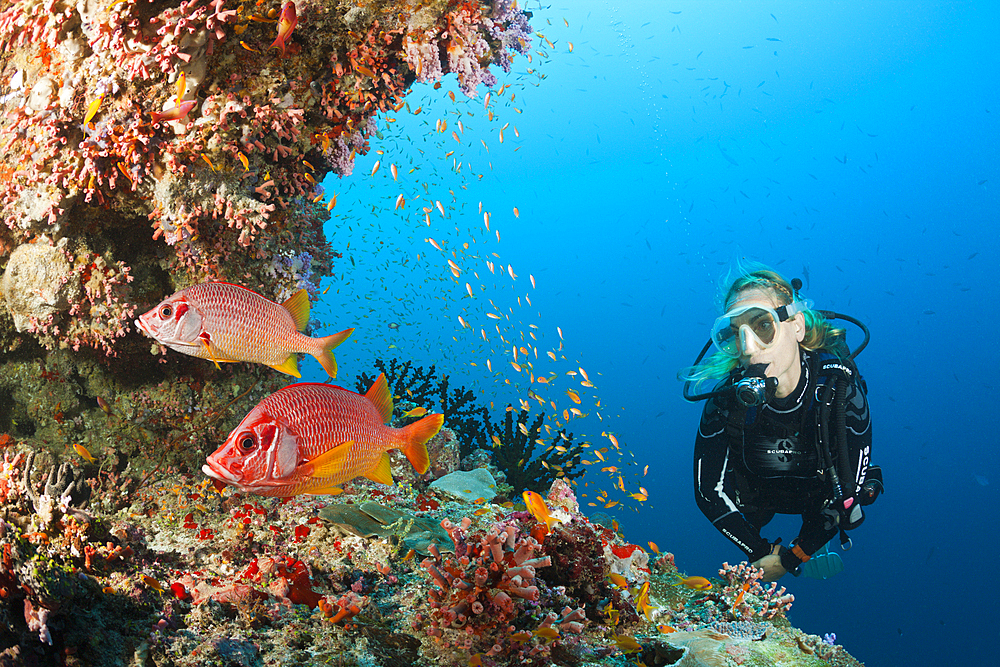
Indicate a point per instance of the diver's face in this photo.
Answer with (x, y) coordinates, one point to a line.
(782, 353)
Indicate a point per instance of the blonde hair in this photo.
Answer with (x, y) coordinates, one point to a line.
(820, 334)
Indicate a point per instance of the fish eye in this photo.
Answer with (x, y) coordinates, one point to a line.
(166, 312)
(246, 443)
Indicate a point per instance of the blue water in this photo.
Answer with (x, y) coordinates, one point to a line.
(853, 145)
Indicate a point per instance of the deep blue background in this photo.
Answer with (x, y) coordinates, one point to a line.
(851, 144)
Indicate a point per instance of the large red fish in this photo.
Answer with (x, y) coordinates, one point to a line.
(311, 438)
(225, 322)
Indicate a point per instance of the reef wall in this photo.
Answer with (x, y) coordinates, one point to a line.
(150, 145)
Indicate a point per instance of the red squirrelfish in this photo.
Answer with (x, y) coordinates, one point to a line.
(286, 23)
(224, 322)
(311, 438)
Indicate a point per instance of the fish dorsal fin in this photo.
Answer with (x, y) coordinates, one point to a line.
(379, 395)
(382, 472)
(298, 305)
(289, 366)
(331, 462)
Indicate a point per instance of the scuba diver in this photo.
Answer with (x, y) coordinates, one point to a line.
(787, 431)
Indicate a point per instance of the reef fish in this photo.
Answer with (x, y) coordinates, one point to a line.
(225, 322)
(286, 23)
(538, 509)
(694, 583)
(310, 438)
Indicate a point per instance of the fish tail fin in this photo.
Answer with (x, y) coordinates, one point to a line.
(415, 437)
(325, 345)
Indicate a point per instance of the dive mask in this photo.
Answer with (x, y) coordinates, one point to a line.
(760, 321)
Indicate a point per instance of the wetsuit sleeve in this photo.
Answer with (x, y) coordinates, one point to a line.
(714, 485)
(815, 530)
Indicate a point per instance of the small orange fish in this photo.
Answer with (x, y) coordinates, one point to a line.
(694, 583)
(655, 549)
(228, 323)
(176, 112)
(618, 580)
(415, 412)
(539, 510)
(476, 660)
(82, 451)
(152, 583)
(547, 633)
(642, 600)
(666, 629)
(181, 88)
(311, 438)
(92, 109)
(739, 598)
(520, 637)
(627, 644)
(286, 23)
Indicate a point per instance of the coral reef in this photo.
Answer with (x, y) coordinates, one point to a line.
(186, 575)
(151, 145)
(154, 144)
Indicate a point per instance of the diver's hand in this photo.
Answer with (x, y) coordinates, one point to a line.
(771, 564)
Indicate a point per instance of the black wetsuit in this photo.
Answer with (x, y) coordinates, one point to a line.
(743, 477)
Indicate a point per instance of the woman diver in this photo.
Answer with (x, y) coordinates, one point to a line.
(788, 429)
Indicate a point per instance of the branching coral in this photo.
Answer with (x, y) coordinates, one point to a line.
(417, 384)
(513, 448)
(744, 598)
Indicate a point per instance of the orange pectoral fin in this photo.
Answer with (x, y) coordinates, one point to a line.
(206, 340)
(330, 464)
